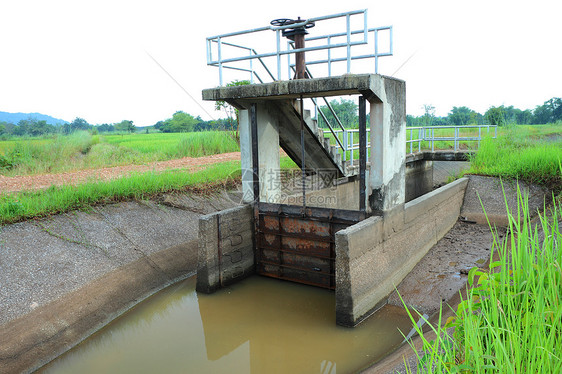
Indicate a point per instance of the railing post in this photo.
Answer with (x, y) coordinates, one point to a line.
(411, 139)
(220, 60)
(455, 134)
(329, 57)
(362, 152)
(348, 44)
(345, 145)
(255, 161)
(432, 140)
(376, 51)
(251, 69)
(479, 135)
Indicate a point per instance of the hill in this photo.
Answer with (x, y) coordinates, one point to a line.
(16, 117)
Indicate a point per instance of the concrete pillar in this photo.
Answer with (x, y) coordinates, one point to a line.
(268, 155)
(246, 155)
(388, 140)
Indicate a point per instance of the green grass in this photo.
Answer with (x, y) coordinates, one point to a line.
(23, 205)
(173, 145)
(516, 156)
(19, 206)
(81, 150)
(511, 319)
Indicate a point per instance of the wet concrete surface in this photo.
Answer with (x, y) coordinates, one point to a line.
(443, 271)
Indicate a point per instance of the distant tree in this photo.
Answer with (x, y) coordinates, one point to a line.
(495, 116)
(460, 116)
(232, 114)
(412, 120)
(106, 128)
(556, 106)
(524, 117)
(125, 125)
(180, 122)
(346, 111)
(429, 114)
(549, 112)
(33, 127)
(79, 124)
(8, 127)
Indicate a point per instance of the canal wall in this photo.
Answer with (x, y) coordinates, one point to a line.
(226, 248)
(373, 256)
(344, 193)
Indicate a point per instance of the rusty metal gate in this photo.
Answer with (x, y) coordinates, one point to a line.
(298, 244)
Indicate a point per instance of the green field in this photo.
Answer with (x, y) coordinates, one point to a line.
(82, 150)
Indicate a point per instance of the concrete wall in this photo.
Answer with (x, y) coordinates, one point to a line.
(419, 178)
(226, 248)
(373, 256)
(341, 196)
(419, 181)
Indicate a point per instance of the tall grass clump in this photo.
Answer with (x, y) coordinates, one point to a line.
(518, 157)
(511, 319)
(62, 152)
(204, 144)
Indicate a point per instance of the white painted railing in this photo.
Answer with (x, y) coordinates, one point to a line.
(415, 136)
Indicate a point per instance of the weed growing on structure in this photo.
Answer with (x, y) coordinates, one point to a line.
(511, 320)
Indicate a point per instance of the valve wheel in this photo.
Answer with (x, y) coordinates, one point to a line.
(282, 22)
(288, 21)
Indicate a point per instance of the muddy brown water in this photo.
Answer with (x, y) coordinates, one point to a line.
(259, 325)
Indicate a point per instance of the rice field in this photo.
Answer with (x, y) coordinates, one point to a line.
(81, 150)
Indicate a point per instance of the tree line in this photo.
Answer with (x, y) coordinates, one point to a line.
(179, 122)
(345, 110)
(549, 112)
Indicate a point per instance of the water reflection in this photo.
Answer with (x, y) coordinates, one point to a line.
(260, 325)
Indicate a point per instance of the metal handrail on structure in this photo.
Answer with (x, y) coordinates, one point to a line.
(226, 63)
(427, 134)
(323, 42)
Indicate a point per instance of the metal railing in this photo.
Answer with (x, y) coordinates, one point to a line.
(249, 54)
(347, 140)
(433, 134)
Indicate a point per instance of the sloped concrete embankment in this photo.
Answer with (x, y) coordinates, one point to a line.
(65, 277)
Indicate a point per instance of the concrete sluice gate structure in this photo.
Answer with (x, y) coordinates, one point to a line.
(381, 218)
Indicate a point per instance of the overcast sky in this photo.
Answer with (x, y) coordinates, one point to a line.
(91, 59)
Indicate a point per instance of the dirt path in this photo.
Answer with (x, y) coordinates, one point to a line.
(31, 182)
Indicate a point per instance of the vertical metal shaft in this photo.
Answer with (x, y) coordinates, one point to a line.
(300, 63)
(255, 161)
(362, 152)
(303, 157)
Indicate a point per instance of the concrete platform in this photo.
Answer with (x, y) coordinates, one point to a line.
(369, 85)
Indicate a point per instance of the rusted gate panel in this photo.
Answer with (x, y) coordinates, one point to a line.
(297, 244)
